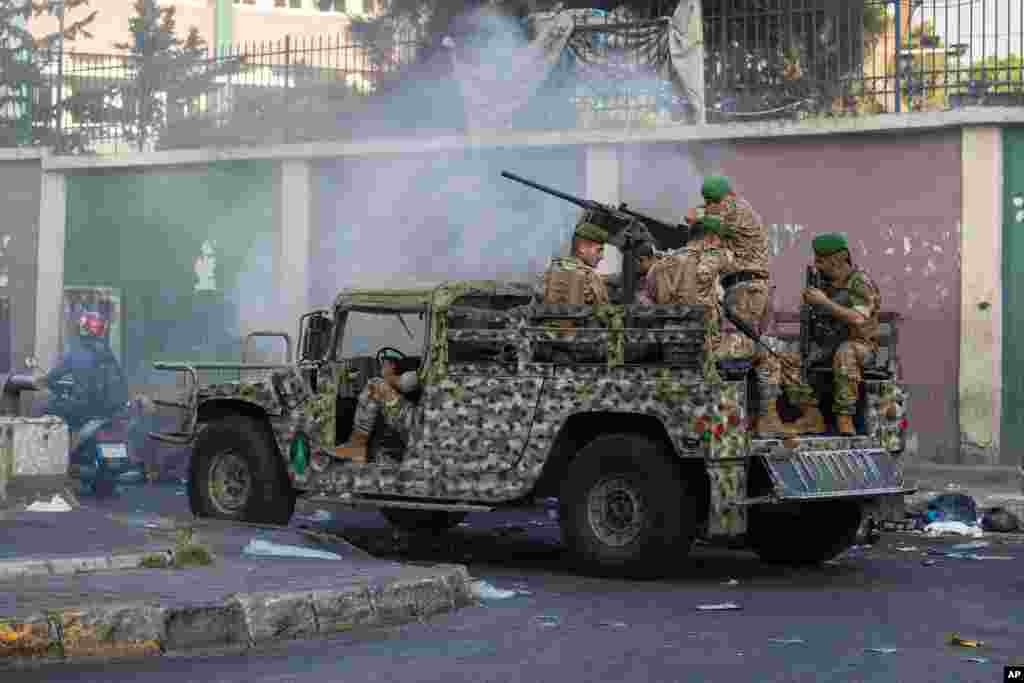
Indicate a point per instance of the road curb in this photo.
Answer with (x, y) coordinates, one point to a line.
(11, 570)
(239, 621)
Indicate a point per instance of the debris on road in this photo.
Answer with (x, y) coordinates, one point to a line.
(959, 528)
(55, 504)
(974, 545)
(1000, 520)
(952, 507)
(955, 639)
(928, 563)
(881, 650)
(721, 607)
(731, 582)
(976, 660)
(787, 641)
(260, 547)
(907, 548)
(318, 517)
(545, 621)
(615, 624)
(485, 591)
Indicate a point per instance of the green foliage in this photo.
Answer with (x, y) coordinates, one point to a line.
(27, 109)
(1005, 74)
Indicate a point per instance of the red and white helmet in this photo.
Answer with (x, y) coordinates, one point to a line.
(92, 324)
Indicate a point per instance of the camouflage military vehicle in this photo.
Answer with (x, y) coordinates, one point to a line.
(647, 446)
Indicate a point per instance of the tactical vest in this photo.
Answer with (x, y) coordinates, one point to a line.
(831, 332)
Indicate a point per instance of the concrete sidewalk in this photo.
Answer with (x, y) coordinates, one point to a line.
(71, 586)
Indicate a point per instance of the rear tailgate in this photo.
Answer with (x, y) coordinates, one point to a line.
(829, 474)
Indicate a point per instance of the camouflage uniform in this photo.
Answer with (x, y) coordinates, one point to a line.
(861, 294)
(746, 236)
(380, 406)
(568, 280)
(691, 277)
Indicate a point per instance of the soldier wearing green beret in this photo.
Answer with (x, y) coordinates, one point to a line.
(747, 289)
(574, 279)
(852, 299)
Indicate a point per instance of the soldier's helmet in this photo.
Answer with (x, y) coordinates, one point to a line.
(92, 324)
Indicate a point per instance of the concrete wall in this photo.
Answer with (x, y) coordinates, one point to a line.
(898, 199)
(981, 304)
(19, 235)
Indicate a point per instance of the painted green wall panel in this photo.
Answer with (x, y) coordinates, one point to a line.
(142, 231)
(1012, 427)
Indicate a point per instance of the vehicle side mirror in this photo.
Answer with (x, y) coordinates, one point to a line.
(316, 337)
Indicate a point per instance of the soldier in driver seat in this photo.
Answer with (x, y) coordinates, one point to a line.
(384, 405)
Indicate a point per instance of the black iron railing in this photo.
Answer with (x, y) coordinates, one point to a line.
(762, 59)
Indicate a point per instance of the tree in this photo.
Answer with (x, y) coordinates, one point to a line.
(162, 70)
(27, 105)
(1000, 74)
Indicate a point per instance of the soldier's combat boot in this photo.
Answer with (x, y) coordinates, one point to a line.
(844, 425)
(811, 421)
(355, 449)
(769, 422)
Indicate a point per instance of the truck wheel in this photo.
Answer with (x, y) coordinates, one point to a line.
(237, 476)
(422, 520)
(803, 534)
(625, 509)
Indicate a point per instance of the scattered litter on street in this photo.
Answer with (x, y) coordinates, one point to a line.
(614, 624)
(55, 504)
(788, 641)
(721, 607)
(731, 582)
(1000, 520)
(955, 639)
(907, 549)
(547, 621)
(318, 517)
(974, 545)
(992, 557)
(485, 591)
(463, 525)
(940, 528)
(952, 507)
(928, 563)
(881, 650)
(976, 660)
(259, 547)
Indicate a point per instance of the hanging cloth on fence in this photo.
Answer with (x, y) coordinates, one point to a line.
(668, 51)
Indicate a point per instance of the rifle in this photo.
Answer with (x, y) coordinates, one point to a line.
(617, 222)
(808, 322)
(743, 327)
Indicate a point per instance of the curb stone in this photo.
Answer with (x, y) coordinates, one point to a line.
(239, 621)
(18, 569)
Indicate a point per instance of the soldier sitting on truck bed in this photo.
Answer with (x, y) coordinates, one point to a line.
(383, 405)
(852, 299)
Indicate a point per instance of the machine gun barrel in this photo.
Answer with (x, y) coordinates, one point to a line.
(808, 318)
(582, 203)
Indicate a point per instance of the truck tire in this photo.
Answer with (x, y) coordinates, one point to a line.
(422, 520)
(803, 534)
(236, 474)
(626, 509)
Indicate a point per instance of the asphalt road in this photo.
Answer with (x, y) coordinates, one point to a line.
(571, 628)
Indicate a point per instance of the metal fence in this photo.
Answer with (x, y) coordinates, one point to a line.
(762, 59)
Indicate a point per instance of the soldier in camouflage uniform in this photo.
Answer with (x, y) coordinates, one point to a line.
(853, 301)
(384, 406)
(573, 279)
(747, 287)
(691, 275)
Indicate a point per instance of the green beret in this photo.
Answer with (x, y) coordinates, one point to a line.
(713, 225)
(829, 243)
(715, 187)
(589, 231)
